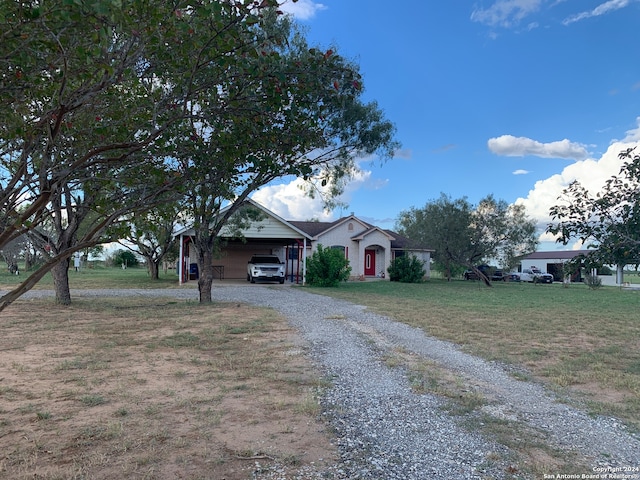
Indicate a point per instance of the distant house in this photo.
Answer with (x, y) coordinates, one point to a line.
(368, 248)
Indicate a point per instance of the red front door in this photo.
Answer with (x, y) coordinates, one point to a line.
(370, 262)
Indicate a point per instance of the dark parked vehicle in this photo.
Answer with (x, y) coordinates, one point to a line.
(492, 273)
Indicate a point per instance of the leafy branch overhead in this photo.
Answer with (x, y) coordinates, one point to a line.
(607, 222)
(111, 109)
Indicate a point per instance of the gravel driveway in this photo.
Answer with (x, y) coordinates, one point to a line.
(385, 430)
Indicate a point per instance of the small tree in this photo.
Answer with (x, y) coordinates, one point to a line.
(126, 258)
(406, 269)
(327, 267)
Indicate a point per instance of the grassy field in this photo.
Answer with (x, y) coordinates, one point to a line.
(152, 389)
(212, 387)
(583, 343)
(101, 277)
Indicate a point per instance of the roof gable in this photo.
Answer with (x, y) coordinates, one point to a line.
(369, 231)
(270, 227)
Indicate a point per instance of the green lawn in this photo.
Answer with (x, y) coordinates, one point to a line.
(101, 277)
(583, 343)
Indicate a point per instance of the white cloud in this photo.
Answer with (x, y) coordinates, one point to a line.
(289, 201)
(403, 154)
(302, 9)
(511, 146)
(602, 9)
(506, 13)
(521, 172)
(591, 173)
(633, 135)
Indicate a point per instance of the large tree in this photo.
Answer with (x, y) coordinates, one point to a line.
(464, 235)
(306, 120)
(96, 96)
(608, 222)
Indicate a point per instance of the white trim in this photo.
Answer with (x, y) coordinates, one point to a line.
(304, 262)
(181, 260)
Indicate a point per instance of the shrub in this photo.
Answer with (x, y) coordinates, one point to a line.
(406, 269)
(593, 281)
(327, 267)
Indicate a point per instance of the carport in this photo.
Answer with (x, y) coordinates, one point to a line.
(272, 235)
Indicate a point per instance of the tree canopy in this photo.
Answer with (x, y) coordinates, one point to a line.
(310, 123)
(464, 235)
(608, 222)
(110, 109)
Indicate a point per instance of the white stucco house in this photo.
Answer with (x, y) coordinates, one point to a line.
(369, 249)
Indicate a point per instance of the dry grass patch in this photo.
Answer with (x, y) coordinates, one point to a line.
(152, 388)
(531, 455)
(585, 344)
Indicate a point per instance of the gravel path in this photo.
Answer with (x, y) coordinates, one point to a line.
(387, 431)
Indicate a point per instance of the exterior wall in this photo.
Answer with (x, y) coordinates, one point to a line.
(341, 236)
(426, 258)
(547, 265)
(381, 243)
(541, 263)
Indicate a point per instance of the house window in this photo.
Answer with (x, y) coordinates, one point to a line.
(341, 248)
(350, 227)
(367, 261)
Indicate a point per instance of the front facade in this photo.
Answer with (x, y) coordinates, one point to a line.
(368, 248)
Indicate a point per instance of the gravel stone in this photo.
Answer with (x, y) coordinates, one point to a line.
(384, 429)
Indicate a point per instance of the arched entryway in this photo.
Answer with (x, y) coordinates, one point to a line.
(374, 261)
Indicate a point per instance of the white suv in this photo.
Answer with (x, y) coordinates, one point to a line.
(265, 267)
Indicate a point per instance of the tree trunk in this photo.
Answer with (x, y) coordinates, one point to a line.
(153, 269)
(60, 273)
(205, 266)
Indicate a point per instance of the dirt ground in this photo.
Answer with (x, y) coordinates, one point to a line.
(143, 388)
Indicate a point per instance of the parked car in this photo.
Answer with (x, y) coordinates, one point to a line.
(265, 267)
(492, 273)
(536, 275)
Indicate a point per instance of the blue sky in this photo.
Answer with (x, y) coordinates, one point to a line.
(511, 97)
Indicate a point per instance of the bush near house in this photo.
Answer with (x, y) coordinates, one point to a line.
(406, 269)
(327, 267)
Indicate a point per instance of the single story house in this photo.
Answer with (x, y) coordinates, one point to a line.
(368, 248)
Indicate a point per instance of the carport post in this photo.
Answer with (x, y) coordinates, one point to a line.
(180, 261)
(304, 262)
